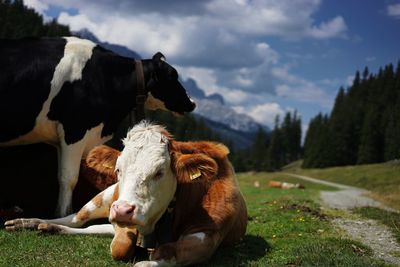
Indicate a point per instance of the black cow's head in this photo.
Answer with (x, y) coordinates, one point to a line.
(166, 92)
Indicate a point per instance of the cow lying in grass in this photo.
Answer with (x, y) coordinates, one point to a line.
(152, 170)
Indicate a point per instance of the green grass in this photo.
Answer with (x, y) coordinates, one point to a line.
(31, 249)
(383, 180)
(390, 219)
(286, 228)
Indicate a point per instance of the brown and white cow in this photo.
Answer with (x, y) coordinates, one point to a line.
(153, 172)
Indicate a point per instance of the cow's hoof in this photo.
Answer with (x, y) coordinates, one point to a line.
(19, 224)
(48, 228)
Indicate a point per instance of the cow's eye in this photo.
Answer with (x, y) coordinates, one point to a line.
(158, 175)
(117, 171)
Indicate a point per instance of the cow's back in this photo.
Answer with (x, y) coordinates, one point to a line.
(26, 70)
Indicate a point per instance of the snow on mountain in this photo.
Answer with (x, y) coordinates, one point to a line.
(239, 128)
(213, 108)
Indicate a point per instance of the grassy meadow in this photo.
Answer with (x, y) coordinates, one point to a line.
(286, 228)
(383, 180)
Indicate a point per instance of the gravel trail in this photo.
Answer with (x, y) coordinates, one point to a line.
(369, 232)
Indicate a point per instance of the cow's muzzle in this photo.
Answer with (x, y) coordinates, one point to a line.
(122, 212)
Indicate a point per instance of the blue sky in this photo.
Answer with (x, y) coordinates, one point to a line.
(264, 56)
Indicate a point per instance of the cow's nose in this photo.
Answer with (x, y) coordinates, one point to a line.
(121, 212)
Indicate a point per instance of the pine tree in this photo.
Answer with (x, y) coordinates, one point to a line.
(286, 132)
(291, 137)
(316, 154)
(275, 154)
(392, 135)
(392, 130)
(371, 146)
(259, 150)
(18, 21)
(341, 129)
(296, 137)
(365, 74)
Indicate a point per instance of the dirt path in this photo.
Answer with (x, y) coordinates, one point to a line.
(348, 198)
(370, 232)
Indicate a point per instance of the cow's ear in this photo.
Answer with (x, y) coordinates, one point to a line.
(193, 167)
(158, 57)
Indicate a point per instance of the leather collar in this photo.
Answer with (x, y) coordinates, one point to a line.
(141, 92)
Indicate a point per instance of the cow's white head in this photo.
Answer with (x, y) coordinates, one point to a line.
(146, 182)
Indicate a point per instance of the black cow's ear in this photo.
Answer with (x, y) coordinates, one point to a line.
(158, 57)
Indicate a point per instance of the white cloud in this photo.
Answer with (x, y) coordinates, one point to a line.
(135, 32)
(38, 5)
(299, 89)
(349, 80)
(235, 96)
(394, 10)
(80, 21)
(205, 78)
(334, 28)
(306, 92)
(289, 19)
(370, 59)
(304, 129)
(200, 35)
(263, 113)
(333, 83)
(283, 74)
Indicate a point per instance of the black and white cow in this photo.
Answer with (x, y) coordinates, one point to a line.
(72, 94)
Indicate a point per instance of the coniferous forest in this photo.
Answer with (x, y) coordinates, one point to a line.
(364, 126)
(271, 151)
(17, 21)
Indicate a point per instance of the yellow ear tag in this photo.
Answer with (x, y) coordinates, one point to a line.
(108, 166)
(195, 174)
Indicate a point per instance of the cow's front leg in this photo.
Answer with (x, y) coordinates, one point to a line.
(189, 249)
(97, 207)
(98, 229)
(69, 159)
